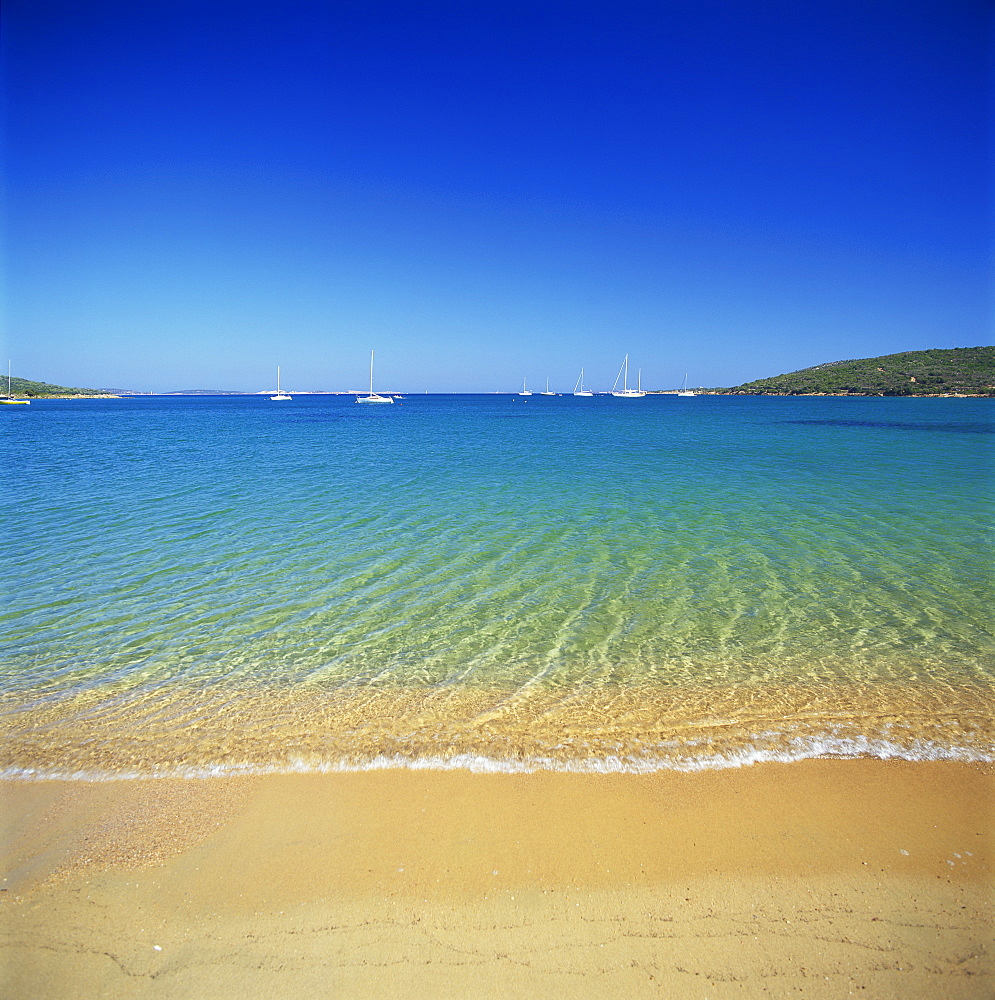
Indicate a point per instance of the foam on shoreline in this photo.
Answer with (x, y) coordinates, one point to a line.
(801, 749)
(627, 730)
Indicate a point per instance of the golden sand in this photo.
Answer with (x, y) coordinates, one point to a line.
(823, 878)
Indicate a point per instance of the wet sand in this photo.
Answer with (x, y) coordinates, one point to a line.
(822, 878)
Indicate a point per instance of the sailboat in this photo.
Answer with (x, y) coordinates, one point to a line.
(684, 390)
(547, 392)
(579, 389)
(373, 397)
(525, 391)
(10, 399)
(625, 391)
(279, 395)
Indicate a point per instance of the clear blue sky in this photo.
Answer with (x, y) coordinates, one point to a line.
(198, 191)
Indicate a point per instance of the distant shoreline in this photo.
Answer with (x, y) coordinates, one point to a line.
(649, 392)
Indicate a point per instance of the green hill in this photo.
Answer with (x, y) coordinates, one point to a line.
(960, 370)
(25, 387)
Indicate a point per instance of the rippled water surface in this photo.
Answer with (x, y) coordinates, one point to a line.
(213, 583)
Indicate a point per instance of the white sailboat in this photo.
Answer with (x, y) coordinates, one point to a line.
(625, 391)
(10, 399)
(279, 394)
(684, 390)
(525, 391)
(547, 392)
(373, 397)
(579, 389)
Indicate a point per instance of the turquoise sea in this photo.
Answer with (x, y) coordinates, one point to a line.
(200, 585)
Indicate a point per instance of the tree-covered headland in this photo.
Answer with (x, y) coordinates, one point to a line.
(26, 388)
(967, 371)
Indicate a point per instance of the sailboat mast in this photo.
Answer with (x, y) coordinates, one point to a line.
(619, 375)
(371, 373)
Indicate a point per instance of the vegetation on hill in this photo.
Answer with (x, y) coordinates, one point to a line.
(25, 387)
(960, 370)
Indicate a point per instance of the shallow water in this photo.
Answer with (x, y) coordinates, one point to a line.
(227, 583)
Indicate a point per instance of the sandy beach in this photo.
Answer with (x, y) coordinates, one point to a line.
(821, 878)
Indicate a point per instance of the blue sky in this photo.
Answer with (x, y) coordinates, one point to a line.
(197, 191)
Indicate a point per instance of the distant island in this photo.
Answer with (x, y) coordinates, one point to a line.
(959, 371)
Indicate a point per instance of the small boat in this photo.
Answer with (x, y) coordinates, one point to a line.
(684, 390)
(625, 391)
(579, 389)
(373, 397)
(279, 395)
(9, 400)
(525, 390)
(547, 392)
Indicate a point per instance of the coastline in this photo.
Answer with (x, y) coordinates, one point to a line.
(839, 395)
(823, 876)
(648, 392)
(237, 731)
